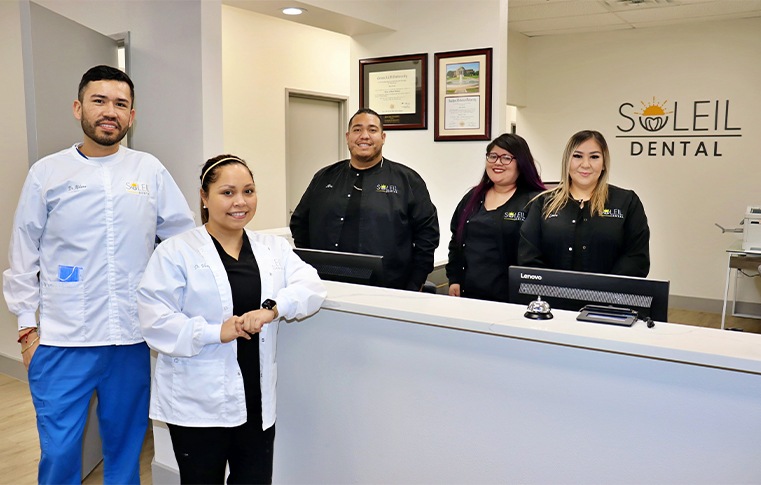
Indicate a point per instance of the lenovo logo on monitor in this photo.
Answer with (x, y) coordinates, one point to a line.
(526, 276)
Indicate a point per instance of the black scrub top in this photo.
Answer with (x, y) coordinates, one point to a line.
(246, 285)
(614, 242)
(479, 262)
(486, 278)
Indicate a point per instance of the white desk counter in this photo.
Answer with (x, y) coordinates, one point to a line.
(680, 343)
(385, 386)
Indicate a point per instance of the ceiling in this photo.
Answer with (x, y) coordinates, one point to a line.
(538, 17)
(314, 16)
(549, 17)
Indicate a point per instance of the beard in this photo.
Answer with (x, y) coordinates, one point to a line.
(361, 158)
(91, 130)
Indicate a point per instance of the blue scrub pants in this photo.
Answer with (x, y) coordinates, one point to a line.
(62, 380)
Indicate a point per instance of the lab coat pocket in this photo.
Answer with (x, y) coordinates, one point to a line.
(197, 388)
(63, 303)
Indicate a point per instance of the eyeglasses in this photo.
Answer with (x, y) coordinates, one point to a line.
(492, 157)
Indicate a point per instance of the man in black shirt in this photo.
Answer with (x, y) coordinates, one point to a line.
(371, 205)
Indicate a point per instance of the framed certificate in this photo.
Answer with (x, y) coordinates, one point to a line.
(395, 88)
(462, 92)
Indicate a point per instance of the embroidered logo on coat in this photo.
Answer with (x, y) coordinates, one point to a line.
(514, 216)
(616, 213)
(137, 188)
(387, 189)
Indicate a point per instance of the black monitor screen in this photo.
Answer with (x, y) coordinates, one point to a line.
(362, 269)
(571, 290)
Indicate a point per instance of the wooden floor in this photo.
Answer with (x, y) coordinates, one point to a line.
(19, 444)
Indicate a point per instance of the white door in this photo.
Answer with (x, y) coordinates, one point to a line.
(315, 138)
(56, 52)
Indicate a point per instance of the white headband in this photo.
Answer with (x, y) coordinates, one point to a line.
(217, 163)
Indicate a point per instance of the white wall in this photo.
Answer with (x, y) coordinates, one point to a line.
(576, 82)
(316, 60)
(177, 73)
(262, 57)
(449, 168)
(14, 163)
(516, 71)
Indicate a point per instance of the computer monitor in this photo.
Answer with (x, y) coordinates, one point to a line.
(571, 290)
(362, 269)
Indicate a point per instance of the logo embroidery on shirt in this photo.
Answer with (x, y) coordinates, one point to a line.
(137, 188)
(387, 189)
(616, 213)
(75, 187)
(514, 216)
(200, 266)
(329, 186)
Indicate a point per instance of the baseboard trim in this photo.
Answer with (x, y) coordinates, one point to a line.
(13, 368)
(695, 304)
(708, 305)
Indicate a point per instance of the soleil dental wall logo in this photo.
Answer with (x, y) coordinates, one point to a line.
(679, 129)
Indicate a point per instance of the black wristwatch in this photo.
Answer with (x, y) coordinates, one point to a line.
(269, 304)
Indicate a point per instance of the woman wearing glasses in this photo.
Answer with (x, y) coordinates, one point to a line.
(486, 224)
(586, 224)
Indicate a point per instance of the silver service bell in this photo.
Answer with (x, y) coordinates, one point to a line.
(538, 310)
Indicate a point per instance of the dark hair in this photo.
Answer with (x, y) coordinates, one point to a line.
(209, 173)
(105, 73)
(528, 176)
(366, 111)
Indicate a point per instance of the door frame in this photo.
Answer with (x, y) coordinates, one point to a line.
(342, 102)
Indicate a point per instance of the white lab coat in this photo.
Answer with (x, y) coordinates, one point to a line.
(82, 234)
(183, 299)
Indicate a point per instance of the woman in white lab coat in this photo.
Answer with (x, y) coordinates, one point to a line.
(203, 296)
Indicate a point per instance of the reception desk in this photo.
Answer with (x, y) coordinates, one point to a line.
(386, 386)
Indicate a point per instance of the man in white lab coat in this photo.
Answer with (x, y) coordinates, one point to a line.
(85, 227)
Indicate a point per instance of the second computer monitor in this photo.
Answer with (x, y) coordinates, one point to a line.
(571, 290)
(362, 269)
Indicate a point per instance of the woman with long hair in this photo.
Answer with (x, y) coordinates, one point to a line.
(585, 223)
(486, 223)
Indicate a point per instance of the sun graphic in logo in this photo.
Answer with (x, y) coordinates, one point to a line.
(653, 117)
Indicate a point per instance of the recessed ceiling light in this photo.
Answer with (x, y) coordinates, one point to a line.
(293, 11)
